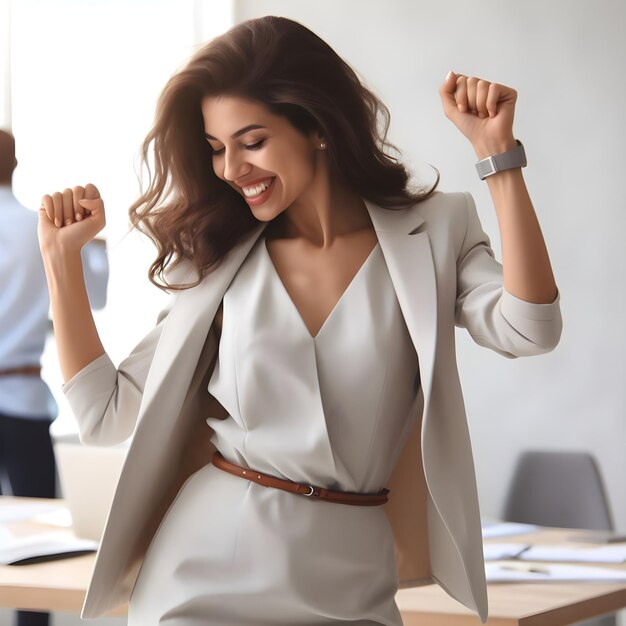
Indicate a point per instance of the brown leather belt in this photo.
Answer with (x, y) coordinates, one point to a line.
(309, 491)
(26, 370)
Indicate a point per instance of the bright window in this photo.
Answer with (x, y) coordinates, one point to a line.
(81, 80)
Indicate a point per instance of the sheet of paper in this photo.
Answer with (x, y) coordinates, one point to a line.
(57, 543)
(502, 529)
(603, 554)
(522, 572)
(498, 551)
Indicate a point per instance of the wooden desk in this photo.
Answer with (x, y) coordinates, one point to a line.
(51, 586)
(60, 586)
(519, 604)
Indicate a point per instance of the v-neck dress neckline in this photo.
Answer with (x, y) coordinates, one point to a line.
(334, 411)
(343, 295)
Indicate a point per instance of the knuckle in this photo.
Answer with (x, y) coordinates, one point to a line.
(91, 191)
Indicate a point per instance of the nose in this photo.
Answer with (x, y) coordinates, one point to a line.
(235, 165)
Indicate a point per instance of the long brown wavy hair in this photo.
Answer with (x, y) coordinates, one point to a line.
(187, 211)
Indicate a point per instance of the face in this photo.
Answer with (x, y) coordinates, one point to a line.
(259, 154)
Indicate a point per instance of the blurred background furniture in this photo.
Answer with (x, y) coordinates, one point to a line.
(563, 489)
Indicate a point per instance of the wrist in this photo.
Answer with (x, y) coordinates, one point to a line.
(491, 147)
(514, 158)
(506, 179)
(59, 261)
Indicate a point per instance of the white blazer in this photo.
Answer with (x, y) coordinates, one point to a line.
(444, 273)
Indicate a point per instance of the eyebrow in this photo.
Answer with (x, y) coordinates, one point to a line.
(240, 132)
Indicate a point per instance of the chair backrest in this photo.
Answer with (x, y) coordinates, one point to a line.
(558, 488)
(562, 489)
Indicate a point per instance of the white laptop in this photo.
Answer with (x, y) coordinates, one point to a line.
(88, 476)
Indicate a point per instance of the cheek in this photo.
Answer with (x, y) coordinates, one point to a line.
(299, 170)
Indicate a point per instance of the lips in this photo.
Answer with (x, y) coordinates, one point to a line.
(252, 191)
(263, 190)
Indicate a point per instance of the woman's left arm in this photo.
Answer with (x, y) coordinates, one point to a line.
(484, 113)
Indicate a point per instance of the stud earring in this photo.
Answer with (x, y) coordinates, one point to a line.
(323, 145)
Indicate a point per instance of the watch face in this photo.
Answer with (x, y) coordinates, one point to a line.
(486, 167)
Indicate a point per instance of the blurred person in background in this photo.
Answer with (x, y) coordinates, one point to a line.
(26, 405)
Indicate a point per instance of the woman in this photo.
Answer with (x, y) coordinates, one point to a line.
(307, 280)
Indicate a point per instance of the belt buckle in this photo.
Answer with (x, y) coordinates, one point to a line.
(312, 493)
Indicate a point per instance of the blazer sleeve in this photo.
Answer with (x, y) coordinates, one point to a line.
(494, 317)
(104, 399)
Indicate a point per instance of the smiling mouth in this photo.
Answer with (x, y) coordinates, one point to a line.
(254, 191)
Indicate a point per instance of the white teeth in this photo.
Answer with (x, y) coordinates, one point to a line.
(256, 190)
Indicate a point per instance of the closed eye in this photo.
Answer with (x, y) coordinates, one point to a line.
(256, 146)
(253, 146)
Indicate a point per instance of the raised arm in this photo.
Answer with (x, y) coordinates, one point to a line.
(484, 113)
(104, 399)
(67, 221)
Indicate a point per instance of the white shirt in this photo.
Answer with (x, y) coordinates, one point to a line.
(24, 305)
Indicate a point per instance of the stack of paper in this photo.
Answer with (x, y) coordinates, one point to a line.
(522, 572)
(603, 554)
(544, 552)
(41, 547)
(498, 551)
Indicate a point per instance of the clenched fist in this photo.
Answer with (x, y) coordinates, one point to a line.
(481, 110)
(70, 219)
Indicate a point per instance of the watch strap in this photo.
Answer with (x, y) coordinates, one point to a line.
(516, 157)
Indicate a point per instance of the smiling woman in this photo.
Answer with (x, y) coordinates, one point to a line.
(300, 449)
(269, 159)
(301, 92)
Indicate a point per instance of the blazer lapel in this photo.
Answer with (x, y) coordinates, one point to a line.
(407, 252)
(186, 330)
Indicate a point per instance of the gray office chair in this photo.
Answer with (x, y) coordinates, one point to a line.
(562, 489)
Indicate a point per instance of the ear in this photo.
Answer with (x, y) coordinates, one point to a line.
(318, 140)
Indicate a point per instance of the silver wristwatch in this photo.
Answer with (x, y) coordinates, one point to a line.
(516, 157)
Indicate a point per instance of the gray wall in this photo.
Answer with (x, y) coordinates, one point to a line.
(565, 59)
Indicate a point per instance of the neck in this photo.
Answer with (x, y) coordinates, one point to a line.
(329, 210)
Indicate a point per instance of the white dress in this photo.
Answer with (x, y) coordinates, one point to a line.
(332, 410)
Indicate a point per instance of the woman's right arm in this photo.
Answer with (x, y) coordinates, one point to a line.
(104, 399)
(68, 221)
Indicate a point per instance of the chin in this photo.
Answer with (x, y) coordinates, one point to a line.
(262, 218)
(265, 214)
